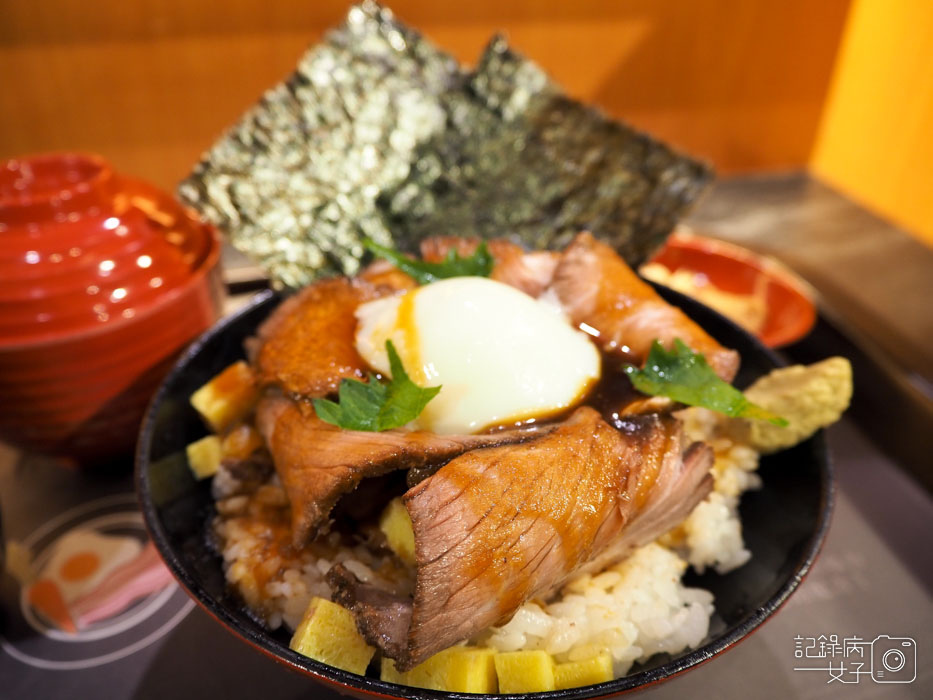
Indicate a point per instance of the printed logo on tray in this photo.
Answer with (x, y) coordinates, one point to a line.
(884, 659)
(92, 589)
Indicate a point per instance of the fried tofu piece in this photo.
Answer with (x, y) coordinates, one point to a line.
(328, 634)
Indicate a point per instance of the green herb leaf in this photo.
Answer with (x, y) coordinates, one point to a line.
(685, 376)
(373, 406)
(479, 264)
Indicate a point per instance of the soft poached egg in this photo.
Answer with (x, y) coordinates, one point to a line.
(500, 355)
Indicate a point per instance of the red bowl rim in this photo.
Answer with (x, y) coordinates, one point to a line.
(779, 273)
(105, 170)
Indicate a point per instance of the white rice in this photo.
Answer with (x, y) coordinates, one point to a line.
(640, 607)
(634, 609)
(278, 587)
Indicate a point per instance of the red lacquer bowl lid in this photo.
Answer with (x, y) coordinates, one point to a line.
(83, 247)
(790, 311)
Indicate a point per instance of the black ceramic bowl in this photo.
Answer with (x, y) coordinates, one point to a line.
(783, 523)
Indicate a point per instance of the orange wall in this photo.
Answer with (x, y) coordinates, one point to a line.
(876, 138)
(152, 84)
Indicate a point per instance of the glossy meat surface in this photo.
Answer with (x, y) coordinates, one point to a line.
(496, 527)
(307, 345)
(530, 272)
(622, 312)
(318, 462)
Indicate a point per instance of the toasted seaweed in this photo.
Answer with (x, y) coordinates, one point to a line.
(379, 133)
(294, 183)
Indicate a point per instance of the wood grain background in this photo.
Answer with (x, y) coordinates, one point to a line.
(151, 84)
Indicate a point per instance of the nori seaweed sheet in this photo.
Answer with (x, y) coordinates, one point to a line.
(378, 133)
(294, 183)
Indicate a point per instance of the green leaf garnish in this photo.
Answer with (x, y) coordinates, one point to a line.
(479, 264)
(685, 376)
(373, 406)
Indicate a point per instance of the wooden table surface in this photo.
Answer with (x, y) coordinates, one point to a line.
(872, 275)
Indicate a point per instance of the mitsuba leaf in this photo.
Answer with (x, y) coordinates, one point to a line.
(479, 264)
(683, 375)
(373, 406)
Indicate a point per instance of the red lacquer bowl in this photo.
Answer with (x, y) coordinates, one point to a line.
(790, 310)
(103, 279)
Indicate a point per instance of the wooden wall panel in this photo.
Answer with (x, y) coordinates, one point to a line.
(876, 138)
(151, 84)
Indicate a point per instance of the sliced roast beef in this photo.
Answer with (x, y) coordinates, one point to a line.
(384, 274)
(603, 295)
(319, 462)
(385, 616)
(307, 345)
(496, 527)
(530, 272)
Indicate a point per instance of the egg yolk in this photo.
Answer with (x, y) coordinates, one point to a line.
(79, 566)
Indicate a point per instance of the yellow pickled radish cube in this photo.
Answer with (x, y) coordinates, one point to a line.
(328, 634)
(459, 670)
(525, 671)
(455, 670)
(204, 456)
(227, 398)
(395, 523)
(573, 674)
(389, 673)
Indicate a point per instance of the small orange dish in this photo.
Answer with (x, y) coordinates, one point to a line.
(788, 310)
